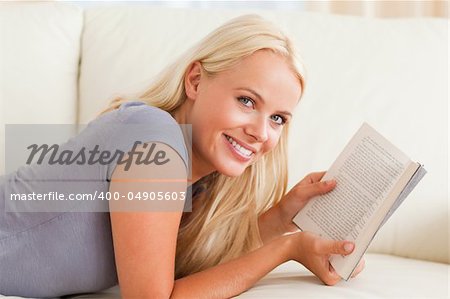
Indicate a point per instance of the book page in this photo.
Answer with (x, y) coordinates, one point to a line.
(366, 172)
(345, 265)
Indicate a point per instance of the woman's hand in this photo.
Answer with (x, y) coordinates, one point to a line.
(298, 197)
(277, 221)
(310, 250)
(314, 252)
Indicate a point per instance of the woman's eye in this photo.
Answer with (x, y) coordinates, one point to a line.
(246, 101)
(280, 120)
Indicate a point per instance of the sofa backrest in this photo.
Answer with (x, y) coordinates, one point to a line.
(390, 73)
(39, 58)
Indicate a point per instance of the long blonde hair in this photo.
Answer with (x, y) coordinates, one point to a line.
(225, 224)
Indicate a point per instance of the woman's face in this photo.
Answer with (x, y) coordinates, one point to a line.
(238, 115)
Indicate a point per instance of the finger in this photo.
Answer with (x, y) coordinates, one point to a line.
(311, 190)
(336, 247)
(331, 277)
(313, 177)
(333, 273)
(359, 268)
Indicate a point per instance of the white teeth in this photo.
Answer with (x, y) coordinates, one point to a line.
(241, 149)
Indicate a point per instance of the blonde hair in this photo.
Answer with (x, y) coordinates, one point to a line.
(225, 224)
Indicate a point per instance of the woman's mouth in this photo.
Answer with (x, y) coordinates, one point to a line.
(239, 150)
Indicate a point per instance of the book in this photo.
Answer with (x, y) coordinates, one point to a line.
(373, 178)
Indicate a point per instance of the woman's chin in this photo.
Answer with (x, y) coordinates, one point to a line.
(232, 171)
(230, 165)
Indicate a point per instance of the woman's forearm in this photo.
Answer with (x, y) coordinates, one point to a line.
(233, 277)
(270, 225)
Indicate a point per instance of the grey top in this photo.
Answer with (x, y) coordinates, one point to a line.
(50, 254)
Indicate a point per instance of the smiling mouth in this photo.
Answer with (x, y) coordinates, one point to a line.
(241, 150)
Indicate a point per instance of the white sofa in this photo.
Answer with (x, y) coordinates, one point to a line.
(62, 64)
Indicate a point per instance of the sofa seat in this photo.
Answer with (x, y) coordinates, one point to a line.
(385, 276)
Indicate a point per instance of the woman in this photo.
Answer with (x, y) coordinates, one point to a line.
(238, 88)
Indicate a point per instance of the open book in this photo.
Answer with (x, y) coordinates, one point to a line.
(373, 178)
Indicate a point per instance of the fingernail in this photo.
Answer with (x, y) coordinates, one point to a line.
(330, 182)
(348, 247)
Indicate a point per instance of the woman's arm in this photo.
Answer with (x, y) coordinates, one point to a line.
(270, 225)
(145, 244)
(236, 276)
(233, 277)
(145, 232)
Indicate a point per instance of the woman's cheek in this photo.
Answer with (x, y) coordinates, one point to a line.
(273, 140)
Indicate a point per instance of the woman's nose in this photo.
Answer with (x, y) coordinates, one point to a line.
(258, 128)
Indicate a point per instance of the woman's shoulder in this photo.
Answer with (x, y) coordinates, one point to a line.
(137, 121)
(138, 112)
(133, 112)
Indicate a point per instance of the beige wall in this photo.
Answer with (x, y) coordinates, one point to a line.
(383, 9)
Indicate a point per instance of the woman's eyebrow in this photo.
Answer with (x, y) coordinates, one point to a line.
(261, 99)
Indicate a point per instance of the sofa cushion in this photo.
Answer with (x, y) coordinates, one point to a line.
(385, 276)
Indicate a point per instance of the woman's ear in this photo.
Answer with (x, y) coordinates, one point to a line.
(192, 80)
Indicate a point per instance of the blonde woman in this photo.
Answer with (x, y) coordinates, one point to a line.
(237, 88)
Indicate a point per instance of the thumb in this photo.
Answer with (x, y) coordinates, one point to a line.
(311, 190)
(333, 272)
(339, 247)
